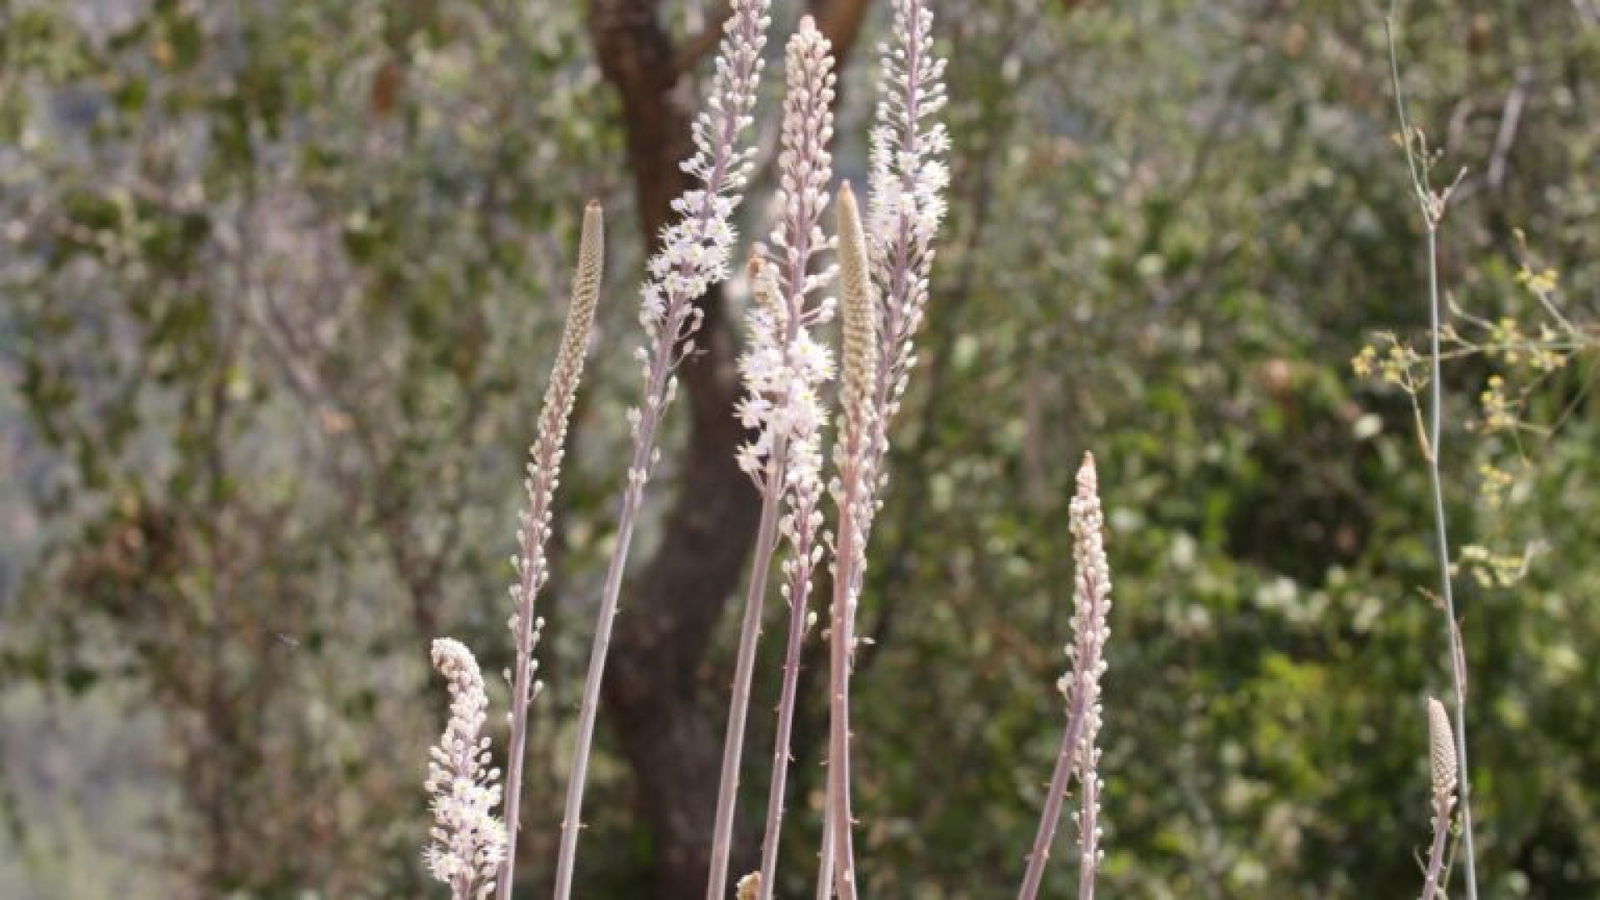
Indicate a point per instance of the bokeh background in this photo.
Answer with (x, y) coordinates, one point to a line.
(280, 282)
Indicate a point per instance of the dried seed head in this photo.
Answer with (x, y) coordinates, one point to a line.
(858, 314)
(749, 887)
(1442, 751)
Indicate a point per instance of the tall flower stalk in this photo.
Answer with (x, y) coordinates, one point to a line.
(852, 492)
(783, 369)
(467, 842)
(1079, 754)
(693, 256)
(1442, 763)
(907, 181)
(543, 477)
(1432, 204)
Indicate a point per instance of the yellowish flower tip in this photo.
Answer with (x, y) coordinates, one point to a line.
(765, 291)
(1088, 478)
(857, 311)
(591, 244)
(585, 285)
(1441, 751)
(750, 885)
(568, 369)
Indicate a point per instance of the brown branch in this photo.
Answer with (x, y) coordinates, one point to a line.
(700, 46)
(840, 22)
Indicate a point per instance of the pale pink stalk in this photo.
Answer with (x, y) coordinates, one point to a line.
(852, 491)
(1081, 686)
(544, 475)
(783, 369)
(803, 557)
(694, 255)
(906, 204)
(1088, 824)
(825, 859)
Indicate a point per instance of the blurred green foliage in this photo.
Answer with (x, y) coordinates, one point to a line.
(280, 285)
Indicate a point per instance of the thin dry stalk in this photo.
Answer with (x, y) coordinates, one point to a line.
(782, 370)
(543, 477)
(1079, 753)
(853, 494)
(693, 256)
(906, 204)
(1433, 204)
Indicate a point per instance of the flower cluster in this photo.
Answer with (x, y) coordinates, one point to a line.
(781, 367)
(696, 247)
(468, 843)
(908, 178)
(1080, 754)
(785, 364)
(1092, 603)
(854, 453)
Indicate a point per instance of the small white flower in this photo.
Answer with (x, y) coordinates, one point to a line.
(469, 842)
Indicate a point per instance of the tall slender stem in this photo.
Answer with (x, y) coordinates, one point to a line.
(825, 863)
(1432, 205)
(643, 450)
(544, 469)
(854, 497)
(1055, 799)
(521, 687)
(840, 638)
(1078, 753)
(1458, 675)
(783, 369)
(743, 675)
(799, 592)
(692, 258)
